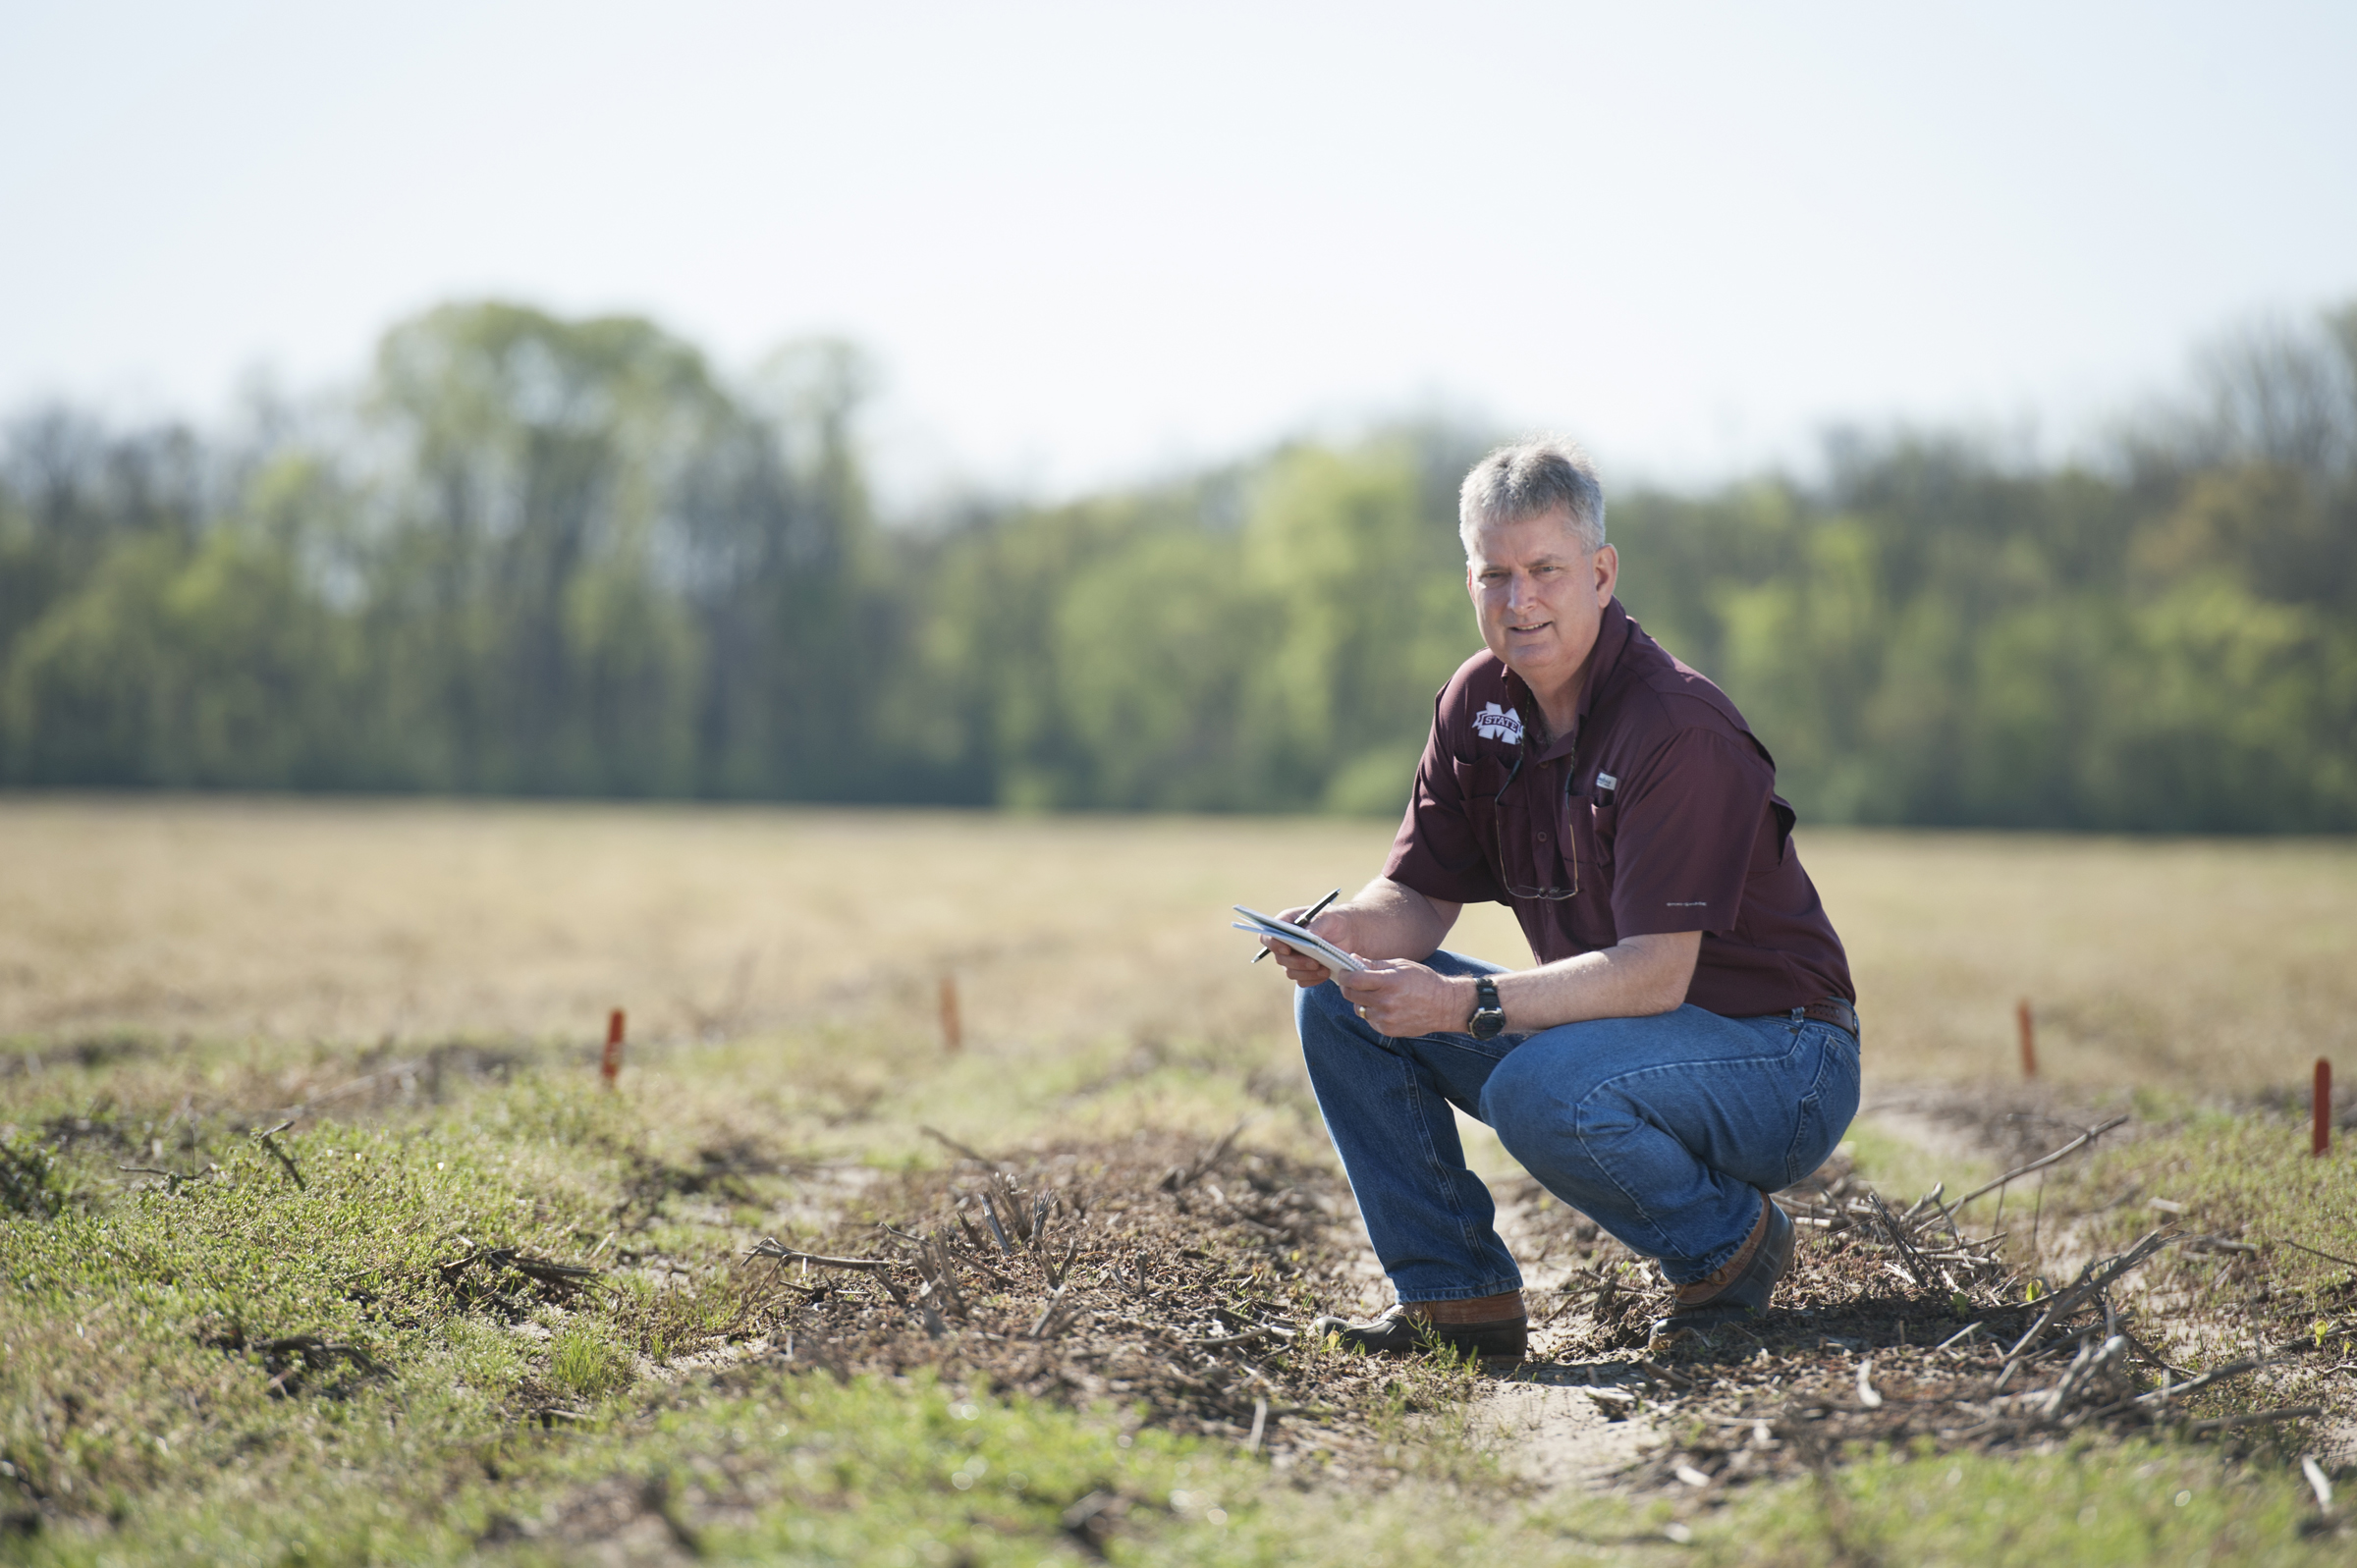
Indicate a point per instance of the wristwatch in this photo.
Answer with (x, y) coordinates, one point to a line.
(1488, 1018)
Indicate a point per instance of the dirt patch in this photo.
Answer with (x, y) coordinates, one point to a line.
(1896, 1326)
(1567, 1424)
(2005, 1124)
(1177, 1279)
(94, 1050)
(621, 1520)
(1155, 1272)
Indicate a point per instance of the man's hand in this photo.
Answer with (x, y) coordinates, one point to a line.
(1637, 977)
(1403, 999)
(1385, 920)
(1335, 925)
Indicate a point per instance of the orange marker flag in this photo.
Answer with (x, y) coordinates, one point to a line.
(953, 1029)
(2320, 1131)
(611, 1067)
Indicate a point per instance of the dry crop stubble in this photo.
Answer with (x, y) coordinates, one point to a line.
(2187, 964)
(783, 1096)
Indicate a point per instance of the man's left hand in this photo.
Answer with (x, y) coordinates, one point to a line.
(1403, 999)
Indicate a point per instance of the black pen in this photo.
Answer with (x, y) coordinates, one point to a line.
(1315, 910)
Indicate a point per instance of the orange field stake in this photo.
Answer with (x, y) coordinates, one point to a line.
(611, 1067)
(953, 1031)
(2029, 1038)
(2320, 1131)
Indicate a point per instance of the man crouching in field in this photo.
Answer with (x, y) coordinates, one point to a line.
(1687, 1044)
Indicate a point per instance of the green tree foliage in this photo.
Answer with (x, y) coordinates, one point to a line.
(1939, 640)
(1367, 577)
(560, 556)
(553, 557)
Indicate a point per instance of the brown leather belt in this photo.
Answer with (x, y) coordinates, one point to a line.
(1834, 1010)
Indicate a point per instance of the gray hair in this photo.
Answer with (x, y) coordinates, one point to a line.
(1531, 479)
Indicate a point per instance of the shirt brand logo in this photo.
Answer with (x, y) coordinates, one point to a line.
(1494, 722)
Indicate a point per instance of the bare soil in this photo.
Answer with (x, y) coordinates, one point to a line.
(1177, 1278)
(1155, 1272)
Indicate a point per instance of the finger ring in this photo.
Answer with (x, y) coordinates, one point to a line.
(1362, 1012)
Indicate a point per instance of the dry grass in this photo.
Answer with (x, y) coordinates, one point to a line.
(355, 921)
(2204, 964)
(418, 987)
(2195, 965)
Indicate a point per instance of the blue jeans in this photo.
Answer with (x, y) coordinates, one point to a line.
(1664, 1130)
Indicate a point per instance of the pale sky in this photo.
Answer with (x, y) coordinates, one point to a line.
(1089, 243)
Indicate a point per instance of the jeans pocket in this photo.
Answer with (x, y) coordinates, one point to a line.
(1807, 1151)
(1824, 1111)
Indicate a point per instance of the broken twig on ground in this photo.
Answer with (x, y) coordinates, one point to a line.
(2041, 1162)
(267, 1137)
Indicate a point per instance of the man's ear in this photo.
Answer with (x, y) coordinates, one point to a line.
(1607, 575)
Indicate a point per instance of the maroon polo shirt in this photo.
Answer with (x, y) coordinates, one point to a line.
(1657, 812)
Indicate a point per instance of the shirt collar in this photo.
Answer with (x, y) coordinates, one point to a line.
(1611, 640)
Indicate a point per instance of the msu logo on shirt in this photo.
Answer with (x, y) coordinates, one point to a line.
(1494, 722)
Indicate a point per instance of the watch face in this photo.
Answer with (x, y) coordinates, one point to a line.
(1488, 1018)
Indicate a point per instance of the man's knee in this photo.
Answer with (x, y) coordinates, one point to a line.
(1321, 1002)
(1549, 1092)
(1533, 1102)
(1523, 1102)
(1326, 1021)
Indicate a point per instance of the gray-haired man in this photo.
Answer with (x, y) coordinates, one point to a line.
(1687, 1043)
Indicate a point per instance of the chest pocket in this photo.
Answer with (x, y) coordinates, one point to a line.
(1521, 841)
(1590, 828)
(1592, 832)
(1478, 784)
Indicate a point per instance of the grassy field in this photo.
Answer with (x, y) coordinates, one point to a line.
(2198, 966)
(347, 1354)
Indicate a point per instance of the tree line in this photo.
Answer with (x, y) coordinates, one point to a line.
(550, 556)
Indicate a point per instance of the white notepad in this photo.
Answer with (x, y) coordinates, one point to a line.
(1326, 952)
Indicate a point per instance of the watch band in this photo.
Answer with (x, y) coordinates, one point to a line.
(1489, 1017)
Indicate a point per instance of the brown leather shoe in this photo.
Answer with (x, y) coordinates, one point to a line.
(1741, 1287)
(1406, 1329)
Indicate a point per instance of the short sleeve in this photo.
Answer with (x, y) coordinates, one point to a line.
(1437, 851)
(1685, 823)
